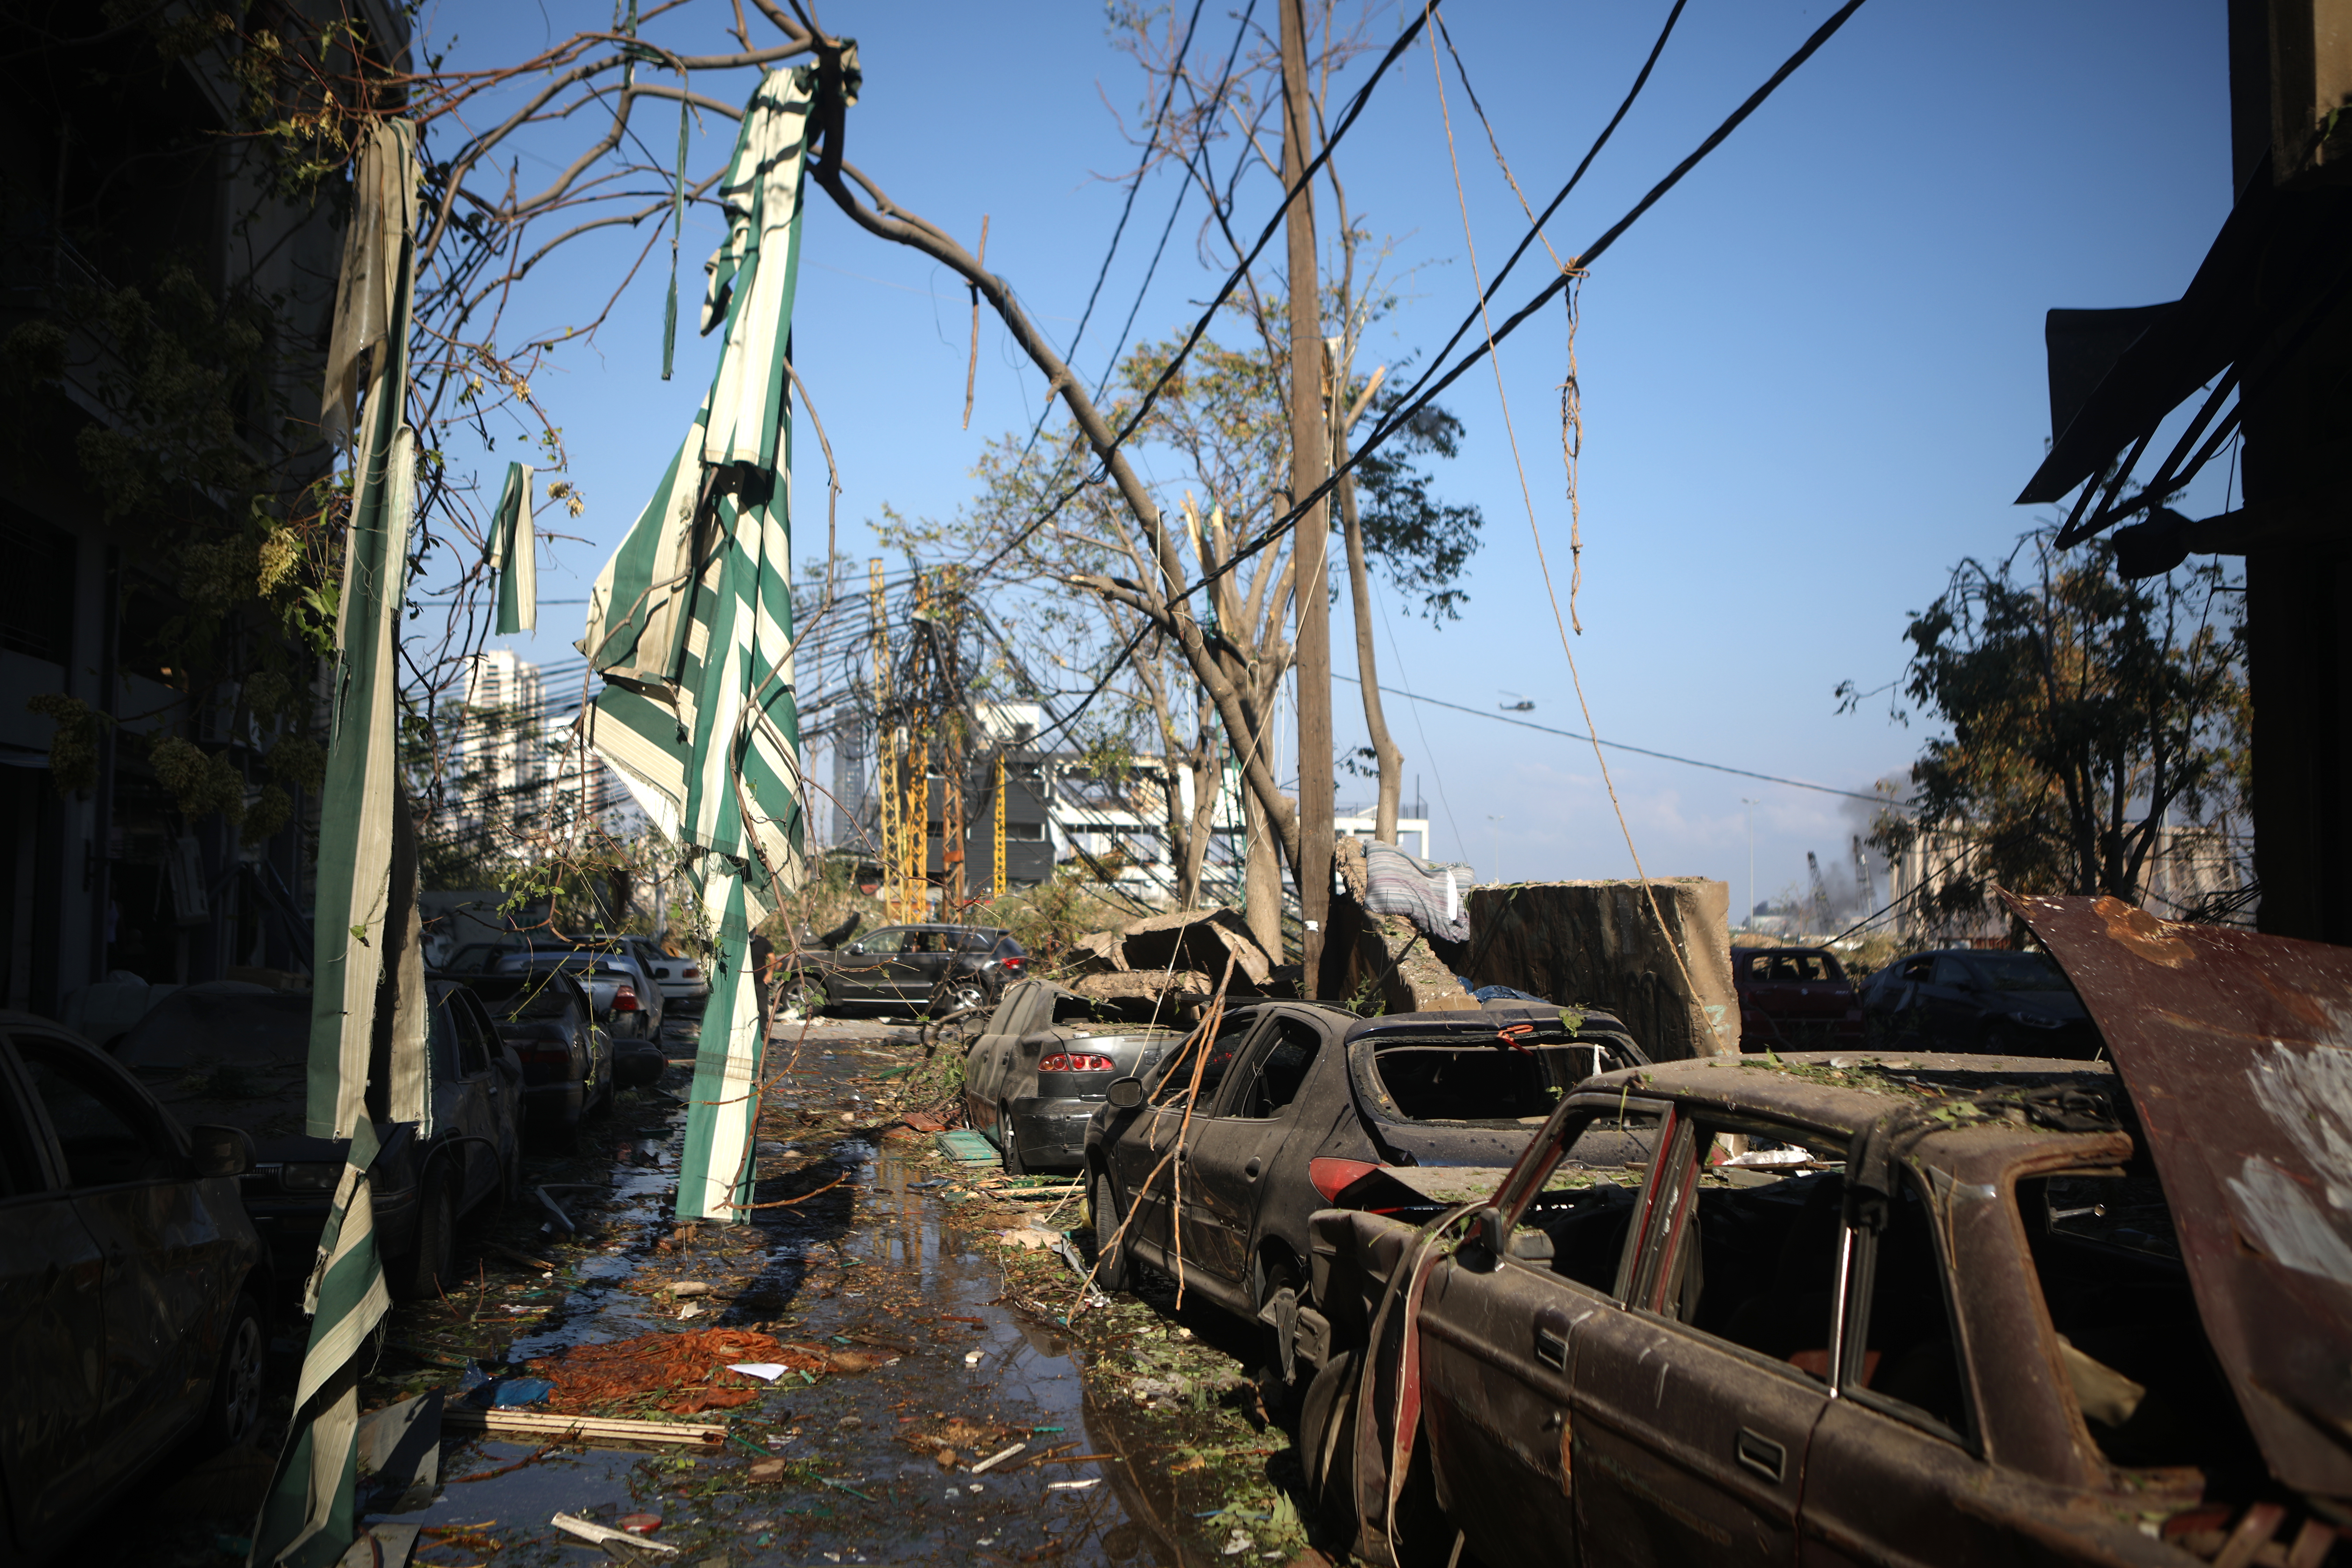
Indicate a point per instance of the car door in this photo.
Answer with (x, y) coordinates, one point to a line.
(1231, 1153)
(862, 971)
(127, 1168)
(52, 1330)
(1948, 1005)
(921, 961)
(990, 1062)
(1686, 1447)
(1147, 1173)
(481, 1115)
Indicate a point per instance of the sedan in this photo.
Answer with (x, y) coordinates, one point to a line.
(132, 1285)
(1975, 999)
(1794, 999)
(1036, 1078)
(568, 1070)
(239, 1055)
(899, 968)
(617, 988)
(1288, 1107)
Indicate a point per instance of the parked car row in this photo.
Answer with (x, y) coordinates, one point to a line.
(911, 968)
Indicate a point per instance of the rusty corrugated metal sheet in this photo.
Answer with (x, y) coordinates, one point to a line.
(2237, 1049)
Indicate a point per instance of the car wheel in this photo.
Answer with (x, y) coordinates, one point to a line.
(960, 997)
(232, 1409)
(805, 996)
(419, 1276)
(1997, 1040)
(1112, 1269)
(1008, 1139)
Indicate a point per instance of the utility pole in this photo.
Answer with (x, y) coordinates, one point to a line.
(1311, 535)
(1750, 915)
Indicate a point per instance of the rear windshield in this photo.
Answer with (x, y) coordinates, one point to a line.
(523, 997)
(570, 962)
(977, 941)
(1481, 1078)
(1791, 968)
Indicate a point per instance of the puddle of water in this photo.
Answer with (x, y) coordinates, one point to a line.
(870, 1266)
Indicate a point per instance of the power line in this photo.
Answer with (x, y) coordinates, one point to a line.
(1415, 399)
(1622, 747)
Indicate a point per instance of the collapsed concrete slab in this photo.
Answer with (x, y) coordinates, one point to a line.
(1599, 943)
(1368, 954)
(1202, 940)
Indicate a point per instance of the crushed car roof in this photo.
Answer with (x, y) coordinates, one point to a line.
(1837, 1093)
(2237, 1051)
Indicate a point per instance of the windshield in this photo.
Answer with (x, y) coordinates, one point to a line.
(1481, 1079)
(190, 1029)
(1792, 968)
(571, 964)
(2017, 971)
(976, 941)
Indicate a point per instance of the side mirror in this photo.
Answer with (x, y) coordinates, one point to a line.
(1125, 1093)
(221, 1150)
(1485, 1233)
(854, 948)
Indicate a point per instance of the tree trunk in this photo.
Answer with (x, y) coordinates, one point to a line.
(1309, 446)
(1367, 673)
(1261, 880)
(1208, 784)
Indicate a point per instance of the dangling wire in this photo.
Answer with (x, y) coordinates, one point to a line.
(1572, 448)
(676, 227)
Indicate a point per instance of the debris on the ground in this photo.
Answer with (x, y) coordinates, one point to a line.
(534, 1424)
(997, 1458)
(684, 1373)
(588, 1530)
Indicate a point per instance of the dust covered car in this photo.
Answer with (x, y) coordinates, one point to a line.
(1036, 1078)
(1976, 999)
(1939, 1309)
(132, 1287)
(1794, 999)
(1289, 1105)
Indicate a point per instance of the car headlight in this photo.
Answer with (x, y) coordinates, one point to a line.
(309, 1176)
(2034, 1020)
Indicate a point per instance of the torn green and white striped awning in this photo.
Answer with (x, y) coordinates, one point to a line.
(690, 624)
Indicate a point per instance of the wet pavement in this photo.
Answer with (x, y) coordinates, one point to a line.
(928, 1317)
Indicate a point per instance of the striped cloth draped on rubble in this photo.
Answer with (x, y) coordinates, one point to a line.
(369, 997)
(690, 625)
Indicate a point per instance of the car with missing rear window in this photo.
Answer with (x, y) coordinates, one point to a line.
(133, 1290)
(1036, 1073)
(1794, 999)
(1933, 1309)
(1287, 1105)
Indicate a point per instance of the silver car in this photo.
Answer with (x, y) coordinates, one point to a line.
(628, 1002)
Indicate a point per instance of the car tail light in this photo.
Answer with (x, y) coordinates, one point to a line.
(1077, 1061)
(309, 1176)
(625, 1000)
(1331, 1177)
(1014, 962)
(692, 971)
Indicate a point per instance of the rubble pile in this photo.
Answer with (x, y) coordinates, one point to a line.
(683, 1374)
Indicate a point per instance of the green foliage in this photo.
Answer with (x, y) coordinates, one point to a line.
(1420, 544)
(201, 783)
(73, 748)
(2083, 709)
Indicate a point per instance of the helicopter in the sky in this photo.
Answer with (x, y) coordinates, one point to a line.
(1524, 705)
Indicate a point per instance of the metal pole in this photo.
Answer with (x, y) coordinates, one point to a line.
(1750, 915)
(1310, 438)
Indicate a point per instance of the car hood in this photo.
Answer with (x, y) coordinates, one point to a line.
(2236, 1049)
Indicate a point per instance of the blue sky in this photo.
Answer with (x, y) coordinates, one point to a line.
(1812, 377)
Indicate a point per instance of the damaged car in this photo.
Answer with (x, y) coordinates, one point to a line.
(1794, 999)
(1935, 1309)
(1209, 1168)
(1048, 1057)
(132, 1287)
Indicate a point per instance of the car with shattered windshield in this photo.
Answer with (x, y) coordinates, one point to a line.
(1935, 1308)
(1210, 1167)
(1034, 1078)
(1978, 999)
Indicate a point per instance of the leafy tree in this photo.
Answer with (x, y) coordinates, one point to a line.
(2085, 711)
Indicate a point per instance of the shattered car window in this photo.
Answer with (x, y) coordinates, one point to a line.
(1489, 1079)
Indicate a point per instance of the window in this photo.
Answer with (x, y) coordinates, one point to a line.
(1795, 969)
(892, 939)
(1482, 1077)
(1278, 1071)
(107, 1135)
(1176, 1074)
(2137, 1361)
(473, 1050)
(1950, 970)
